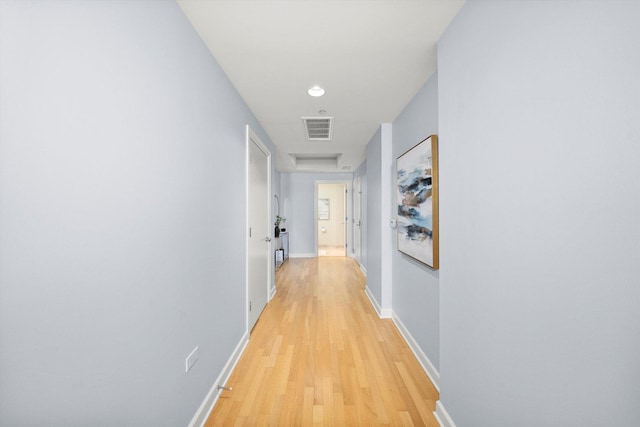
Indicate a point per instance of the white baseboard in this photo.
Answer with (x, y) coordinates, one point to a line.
(383, 313)
(209, 402)
(428, 367)
(373, 301)
(303, 255)
(364, 270)
(386, 313)
(442, 416)
(272, 293)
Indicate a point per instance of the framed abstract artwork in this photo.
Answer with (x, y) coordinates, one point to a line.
(417, 195)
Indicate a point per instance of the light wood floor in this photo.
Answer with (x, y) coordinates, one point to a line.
(331, 251)
(320, 355)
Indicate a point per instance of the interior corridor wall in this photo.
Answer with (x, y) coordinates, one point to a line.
(276, 205)
(540, 200)
(361, 172)
(122, 214)
(374, 217)
(416, 292)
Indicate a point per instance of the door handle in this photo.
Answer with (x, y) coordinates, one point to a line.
(267, 239)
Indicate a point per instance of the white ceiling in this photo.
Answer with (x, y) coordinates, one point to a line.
(371, 57)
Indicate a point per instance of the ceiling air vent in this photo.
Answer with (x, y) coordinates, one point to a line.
(318, 128)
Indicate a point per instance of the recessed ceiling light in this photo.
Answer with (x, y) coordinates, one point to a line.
(316, 91)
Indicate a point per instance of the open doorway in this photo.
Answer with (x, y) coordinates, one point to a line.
(331, 216)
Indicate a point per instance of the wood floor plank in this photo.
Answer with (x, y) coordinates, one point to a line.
(319, 355)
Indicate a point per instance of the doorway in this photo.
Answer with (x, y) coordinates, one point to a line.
(259, 253)
(331, 218)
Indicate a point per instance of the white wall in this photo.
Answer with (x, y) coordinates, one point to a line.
(122, 177)
(298, 192)
(416, 291)
(540, 200)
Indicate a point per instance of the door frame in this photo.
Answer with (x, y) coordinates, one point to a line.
(250, 136)
(348, 210)
(357, 195)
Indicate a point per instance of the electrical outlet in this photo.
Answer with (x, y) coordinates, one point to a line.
(191, 359)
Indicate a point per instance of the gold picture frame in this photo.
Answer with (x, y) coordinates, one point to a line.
(417, 198)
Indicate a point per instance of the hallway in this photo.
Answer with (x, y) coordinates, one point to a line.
(320, 355)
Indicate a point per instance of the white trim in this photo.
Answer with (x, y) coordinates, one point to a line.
(272, 293)
(442, 416)
(364, 270)
(428, 367)
(246, 226)
(308, 255)
(356, 195)
(250, 136)
(200, 417)
(373, 301)
(386, 265)
(386, 313)
(383, 313)
(348, 211)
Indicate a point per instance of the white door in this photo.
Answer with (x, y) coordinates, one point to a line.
(357, 220)
(259, 246)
